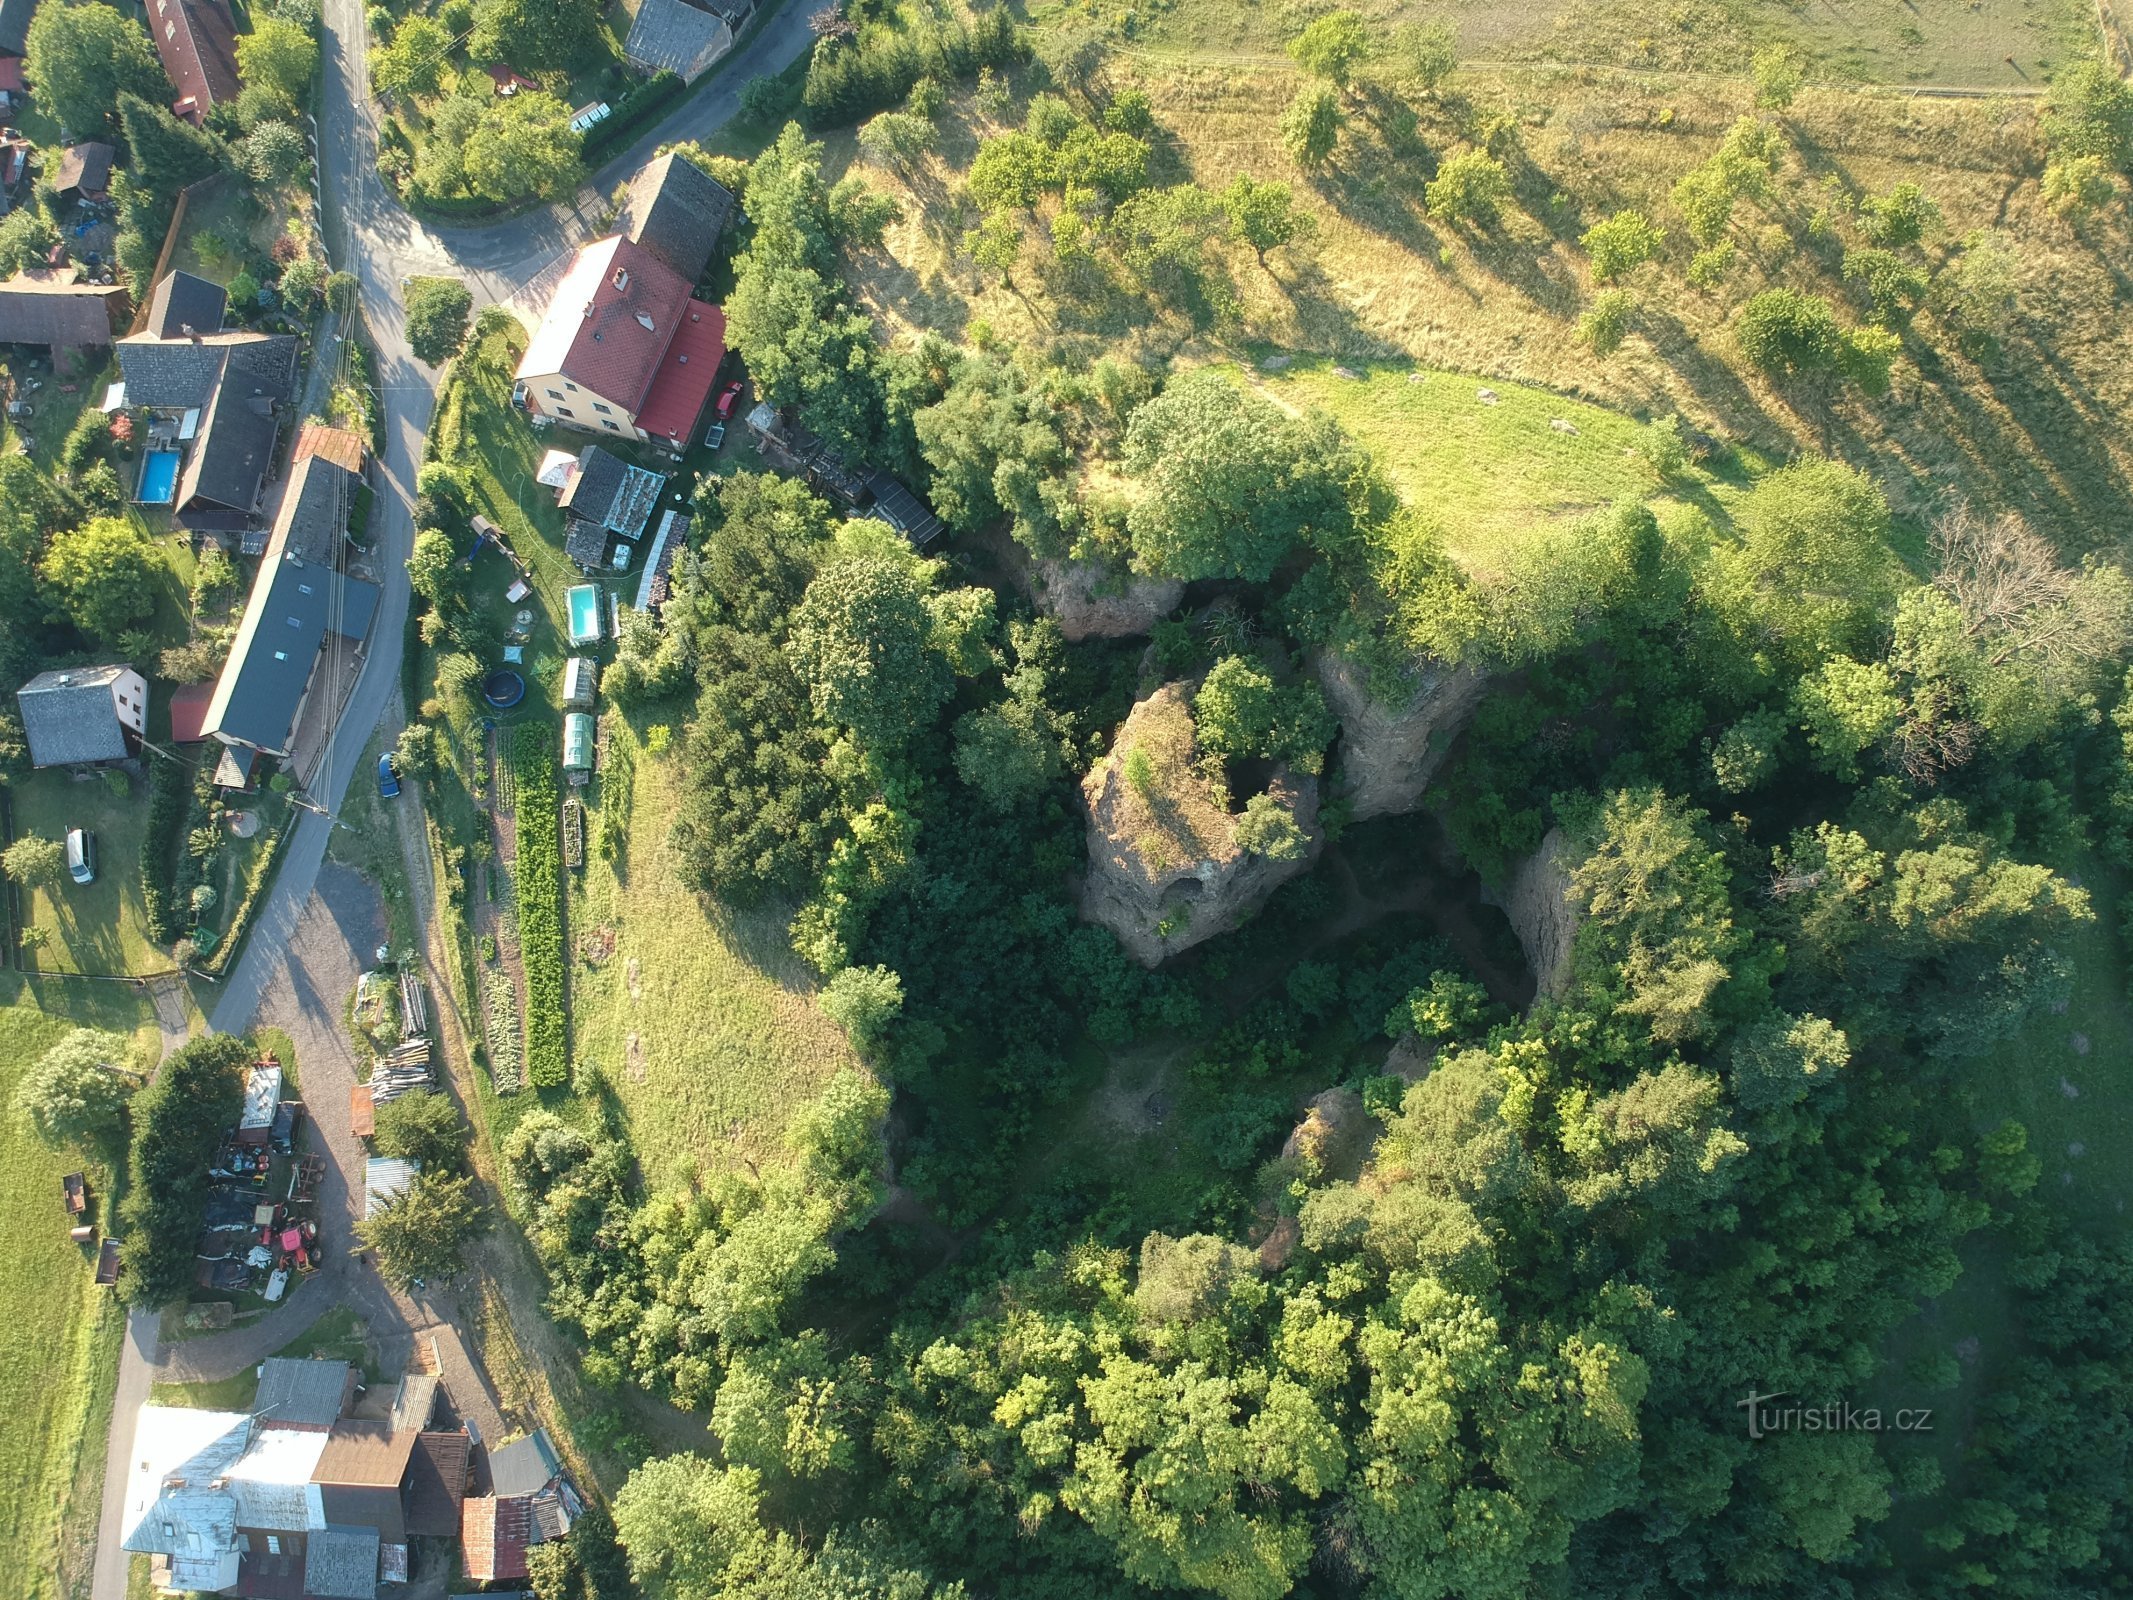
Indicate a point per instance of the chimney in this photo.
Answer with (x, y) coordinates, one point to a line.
(622, 277)
(189, 331)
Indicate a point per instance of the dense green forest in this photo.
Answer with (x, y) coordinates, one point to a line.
(1484, 1325)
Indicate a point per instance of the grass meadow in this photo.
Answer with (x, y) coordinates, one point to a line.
(2006, 44)
(64, 1332)
(2028, 420)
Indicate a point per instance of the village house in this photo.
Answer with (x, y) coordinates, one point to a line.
(684, 37)
(294, 1497)
(217, 396)
(197, 40)
(625, 348)
(84, 171)
(82, 716)
(531, 1502)
(305, 616)
(607, 503)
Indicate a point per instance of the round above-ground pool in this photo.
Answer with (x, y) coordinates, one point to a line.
(503, 688)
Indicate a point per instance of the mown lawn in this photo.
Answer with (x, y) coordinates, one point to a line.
(701, 1024)
(63, 1331)
(1486, 471)
(95, 927)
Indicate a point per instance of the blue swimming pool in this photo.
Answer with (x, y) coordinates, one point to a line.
(159, 478)
(584, 603)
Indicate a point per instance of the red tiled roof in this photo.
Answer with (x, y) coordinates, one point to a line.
(11, 74)
(188, 712)
(492, 1538)
(683, 382)
(198, 43)
(610, 322)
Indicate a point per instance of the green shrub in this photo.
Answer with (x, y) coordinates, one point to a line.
(540, 901)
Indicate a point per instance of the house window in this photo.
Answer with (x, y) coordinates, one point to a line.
(555, 394)
(565, 411)
(170, 30)
(573, 388)
(611, 427)
(273, 1544)
(600, 408)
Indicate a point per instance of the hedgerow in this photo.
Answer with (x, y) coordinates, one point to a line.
(540, 902)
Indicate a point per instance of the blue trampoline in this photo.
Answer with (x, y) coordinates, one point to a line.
(503, 688)
(159, 478)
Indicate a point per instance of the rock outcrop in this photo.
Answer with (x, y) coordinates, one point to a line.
(1094, 600)
(1165, 869)
(1390, 752)
(1537, 902)
(1335, 1136)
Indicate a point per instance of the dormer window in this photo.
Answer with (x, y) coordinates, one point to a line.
(622, 277)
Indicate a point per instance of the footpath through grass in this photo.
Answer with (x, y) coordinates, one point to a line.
(63, 1331)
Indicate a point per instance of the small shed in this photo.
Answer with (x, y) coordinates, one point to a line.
(262, 1098)
(581, 682)
(577, 742)
(107, 1263)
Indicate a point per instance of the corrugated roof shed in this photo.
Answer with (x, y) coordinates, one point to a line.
(385, 1179)
(342, 1564)
(609, 491)
(414, 1401)
(69, 716)
(585, 542)
(84, 168)
(437, 1484)
(672, 537)
(302, 1393)
(524, 1466)
(492, 1538)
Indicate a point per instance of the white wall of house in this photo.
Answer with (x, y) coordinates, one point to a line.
(572, 405)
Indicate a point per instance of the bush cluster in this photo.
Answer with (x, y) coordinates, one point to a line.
(178, 1121)
(849, 81)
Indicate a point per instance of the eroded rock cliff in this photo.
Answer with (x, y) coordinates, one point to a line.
(1389, 752)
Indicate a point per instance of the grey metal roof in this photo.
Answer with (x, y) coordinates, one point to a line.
(342, 1564)
(415, 1400)
(184, 301)
(675, 36)
(677, 211)
(233, 452)
(609, 491)
(179, 373)
(524, 1466)
(313, 517)
(301, 1393)
(15, 24)
(68, 715)
(294, 605)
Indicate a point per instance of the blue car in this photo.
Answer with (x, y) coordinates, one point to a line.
(388, 778)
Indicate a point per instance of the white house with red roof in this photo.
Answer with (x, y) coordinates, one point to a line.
(625, 348)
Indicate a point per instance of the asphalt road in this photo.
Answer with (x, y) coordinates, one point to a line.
(298, 965)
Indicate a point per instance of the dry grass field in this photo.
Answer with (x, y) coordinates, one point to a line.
(2031, 420)
(1989, 44)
